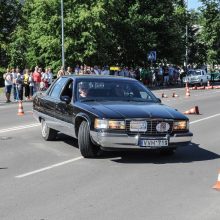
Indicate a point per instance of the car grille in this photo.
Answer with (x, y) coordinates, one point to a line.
(151, 127)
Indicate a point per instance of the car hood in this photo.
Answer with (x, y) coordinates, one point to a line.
(133, 110)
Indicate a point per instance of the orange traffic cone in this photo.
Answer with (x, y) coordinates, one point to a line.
(194, 111)
(187, 92)
(164, 96)
(174, 95)
(217, 185)
(20, 108)
(208, 83)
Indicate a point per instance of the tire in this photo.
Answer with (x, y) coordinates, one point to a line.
(48, 134)
(168, 151)
(87, 148)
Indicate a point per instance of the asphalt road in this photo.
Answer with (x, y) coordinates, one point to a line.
(51, 181)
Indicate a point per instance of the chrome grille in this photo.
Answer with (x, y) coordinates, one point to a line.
(151, 126)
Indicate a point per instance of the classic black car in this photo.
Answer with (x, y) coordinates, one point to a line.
(107, 113)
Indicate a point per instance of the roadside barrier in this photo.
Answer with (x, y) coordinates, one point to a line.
(192, 111)
(20, 108)
(216, 87)
(209, 87)
(217, 185)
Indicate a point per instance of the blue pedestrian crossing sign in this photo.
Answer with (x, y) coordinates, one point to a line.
(152, 56)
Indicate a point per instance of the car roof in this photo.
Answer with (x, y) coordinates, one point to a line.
(88, 76)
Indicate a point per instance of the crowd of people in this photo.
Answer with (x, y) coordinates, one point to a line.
(24, 84)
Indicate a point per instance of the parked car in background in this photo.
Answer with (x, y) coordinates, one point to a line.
(109, 113)
(197, 76)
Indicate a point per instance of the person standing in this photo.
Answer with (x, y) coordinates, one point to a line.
(19, 85)
(26, 84)
(8, 85)
(31, 85)
(14, 77)
(69, 71)
(50, 77)
(37, 79)
(61, 72)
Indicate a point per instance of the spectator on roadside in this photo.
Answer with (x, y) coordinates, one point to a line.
(26, 84)
(45, 79)
(14, 77)
(31, 85)
(77, 69)
(61, 72)
(69, 71)
(50, 77)
(36, 79)
(19, 84)
(97, 70)
(8, 85)
(165, 75)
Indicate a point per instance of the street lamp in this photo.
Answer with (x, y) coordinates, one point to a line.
(186, 34)
(62, 28)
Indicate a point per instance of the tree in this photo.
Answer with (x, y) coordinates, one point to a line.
(9, 17)
(210, 33)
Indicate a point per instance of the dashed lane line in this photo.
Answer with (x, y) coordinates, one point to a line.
(19, 128)
(49, 167)
(79, 158)
(203, 119)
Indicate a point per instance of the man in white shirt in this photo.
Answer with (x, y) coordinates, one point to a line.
(8, 85)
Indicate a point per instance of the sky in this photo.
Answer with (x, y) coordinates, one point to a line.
(194, 4)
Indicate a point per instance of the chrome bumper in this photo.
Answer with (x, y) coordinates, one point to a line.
(125, 141)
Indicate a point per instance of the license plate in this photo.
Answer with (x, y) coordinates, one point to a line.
(138, 126)
(154, 143)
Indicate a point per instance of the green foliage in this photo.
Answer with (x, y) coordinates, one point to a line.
(110, 32)
(210, 34)
(9, 17)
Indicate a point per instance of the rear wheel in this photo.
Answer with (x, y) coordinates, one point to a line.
(87, 148)
(48, 134)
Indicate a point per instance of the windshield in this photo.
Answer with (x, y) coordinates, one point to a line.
(113, 90)
(194, 73)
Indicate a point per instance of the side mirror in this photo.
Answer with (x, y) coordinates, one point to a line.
(66, 99)
(159, 100)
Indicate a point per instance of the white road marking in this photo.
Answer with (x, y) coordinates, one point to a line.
(19, 128)
(49, 167)
(203, 119)
(74, 159)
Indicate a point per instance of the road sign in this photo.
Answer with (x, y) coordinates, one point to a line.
(152, 56)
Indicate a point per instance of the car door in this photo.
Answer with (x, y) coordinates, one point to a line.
(52, 99)
(65, 111)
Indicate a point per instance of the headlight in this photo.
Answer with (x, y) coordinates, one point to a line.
(109, 124)
(181, 125)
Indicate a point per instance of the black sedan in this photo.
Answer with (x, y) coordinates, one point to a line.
(109, 113)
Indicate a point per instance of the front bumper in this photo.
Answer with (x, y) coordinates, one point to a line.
(125, 141)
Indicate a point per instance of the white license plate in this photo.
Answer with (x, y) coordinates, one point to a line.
(138, 126)
(154, 143)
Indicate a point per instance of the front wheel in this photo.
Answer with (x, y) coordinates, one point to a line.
(87, 148)
(48, 134)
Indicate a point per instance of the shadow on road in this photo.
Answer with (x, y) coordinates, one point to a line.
(187, 154)
(190, 153)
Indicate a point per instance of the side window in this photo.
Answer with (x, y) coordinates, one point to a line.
(55, 92)
(68, 89)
